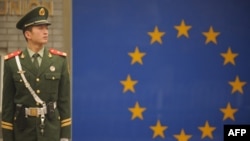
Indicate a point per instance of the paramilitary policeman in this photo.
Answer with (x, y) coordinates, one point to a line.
(36, 91)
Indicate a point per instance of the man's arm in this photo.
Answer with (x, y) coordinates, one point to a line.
(8, 105)
(64, 101)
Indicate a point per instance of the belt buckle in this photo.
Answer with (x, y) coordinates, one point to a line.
(33, 112)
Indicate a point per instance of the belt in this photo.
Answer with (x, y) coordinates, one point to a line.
(36, 112)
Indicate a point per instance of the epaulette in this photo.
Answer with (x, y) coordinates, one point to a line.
(13, 54)
(57, 52)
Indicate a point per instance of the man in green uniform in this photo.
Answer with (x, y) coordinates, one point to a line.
(36, 91)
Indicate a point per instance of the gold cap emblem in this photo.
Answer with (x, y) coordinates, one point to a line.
(42, 12)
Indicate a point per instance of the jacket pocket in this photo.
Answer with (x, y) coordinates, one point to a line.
(52, 76)
(19, 81)
(52, 82)
(17, 78)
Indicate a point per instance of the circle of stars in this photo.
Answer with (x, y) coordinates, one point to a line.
(183, 31)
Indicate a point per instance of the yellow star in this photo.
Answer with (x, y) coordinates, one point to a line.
(158, 129)
(182, 29)
(136, 56)
(128, 84)
(237, 85)
(207, 130)
(156, 35)
(228, 112)
(182, 136)
(211, 35)
(229, 56)
(137, 111)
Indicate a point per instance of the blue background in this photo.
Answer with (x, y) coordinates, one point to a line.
(182, 81)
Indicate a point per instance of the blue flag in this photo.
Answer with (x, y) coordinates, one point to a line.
(152, 70)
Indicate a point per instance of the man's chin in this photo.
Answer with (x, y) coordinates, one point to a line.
(44, 42)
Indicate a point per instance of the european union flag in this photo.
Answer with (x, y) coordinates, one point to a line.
(152, 70)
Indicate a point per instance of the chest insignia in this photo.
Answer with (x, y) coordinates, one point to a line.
(52, 68)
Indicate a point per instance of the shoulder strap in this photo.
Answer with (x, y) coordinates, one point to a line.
(57, 52)
(27, 84)
(13, 54)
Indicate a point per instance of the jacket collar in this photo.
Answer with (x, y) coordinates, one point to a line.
(27, 63)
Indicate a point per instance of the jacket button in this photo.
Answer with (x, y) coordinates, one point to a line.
(37, 79)
(38, 91)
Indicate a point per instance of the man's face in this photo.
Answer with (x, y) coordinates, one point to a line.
(38, 34)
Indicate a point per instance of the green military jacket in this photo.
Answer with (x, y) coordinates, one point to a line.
(51, 83)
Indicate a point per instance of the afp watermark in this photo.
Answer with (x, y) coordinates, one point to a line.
(237, 132)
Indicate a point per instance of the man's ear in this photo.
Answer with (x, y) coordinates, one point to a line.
(27, 34)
